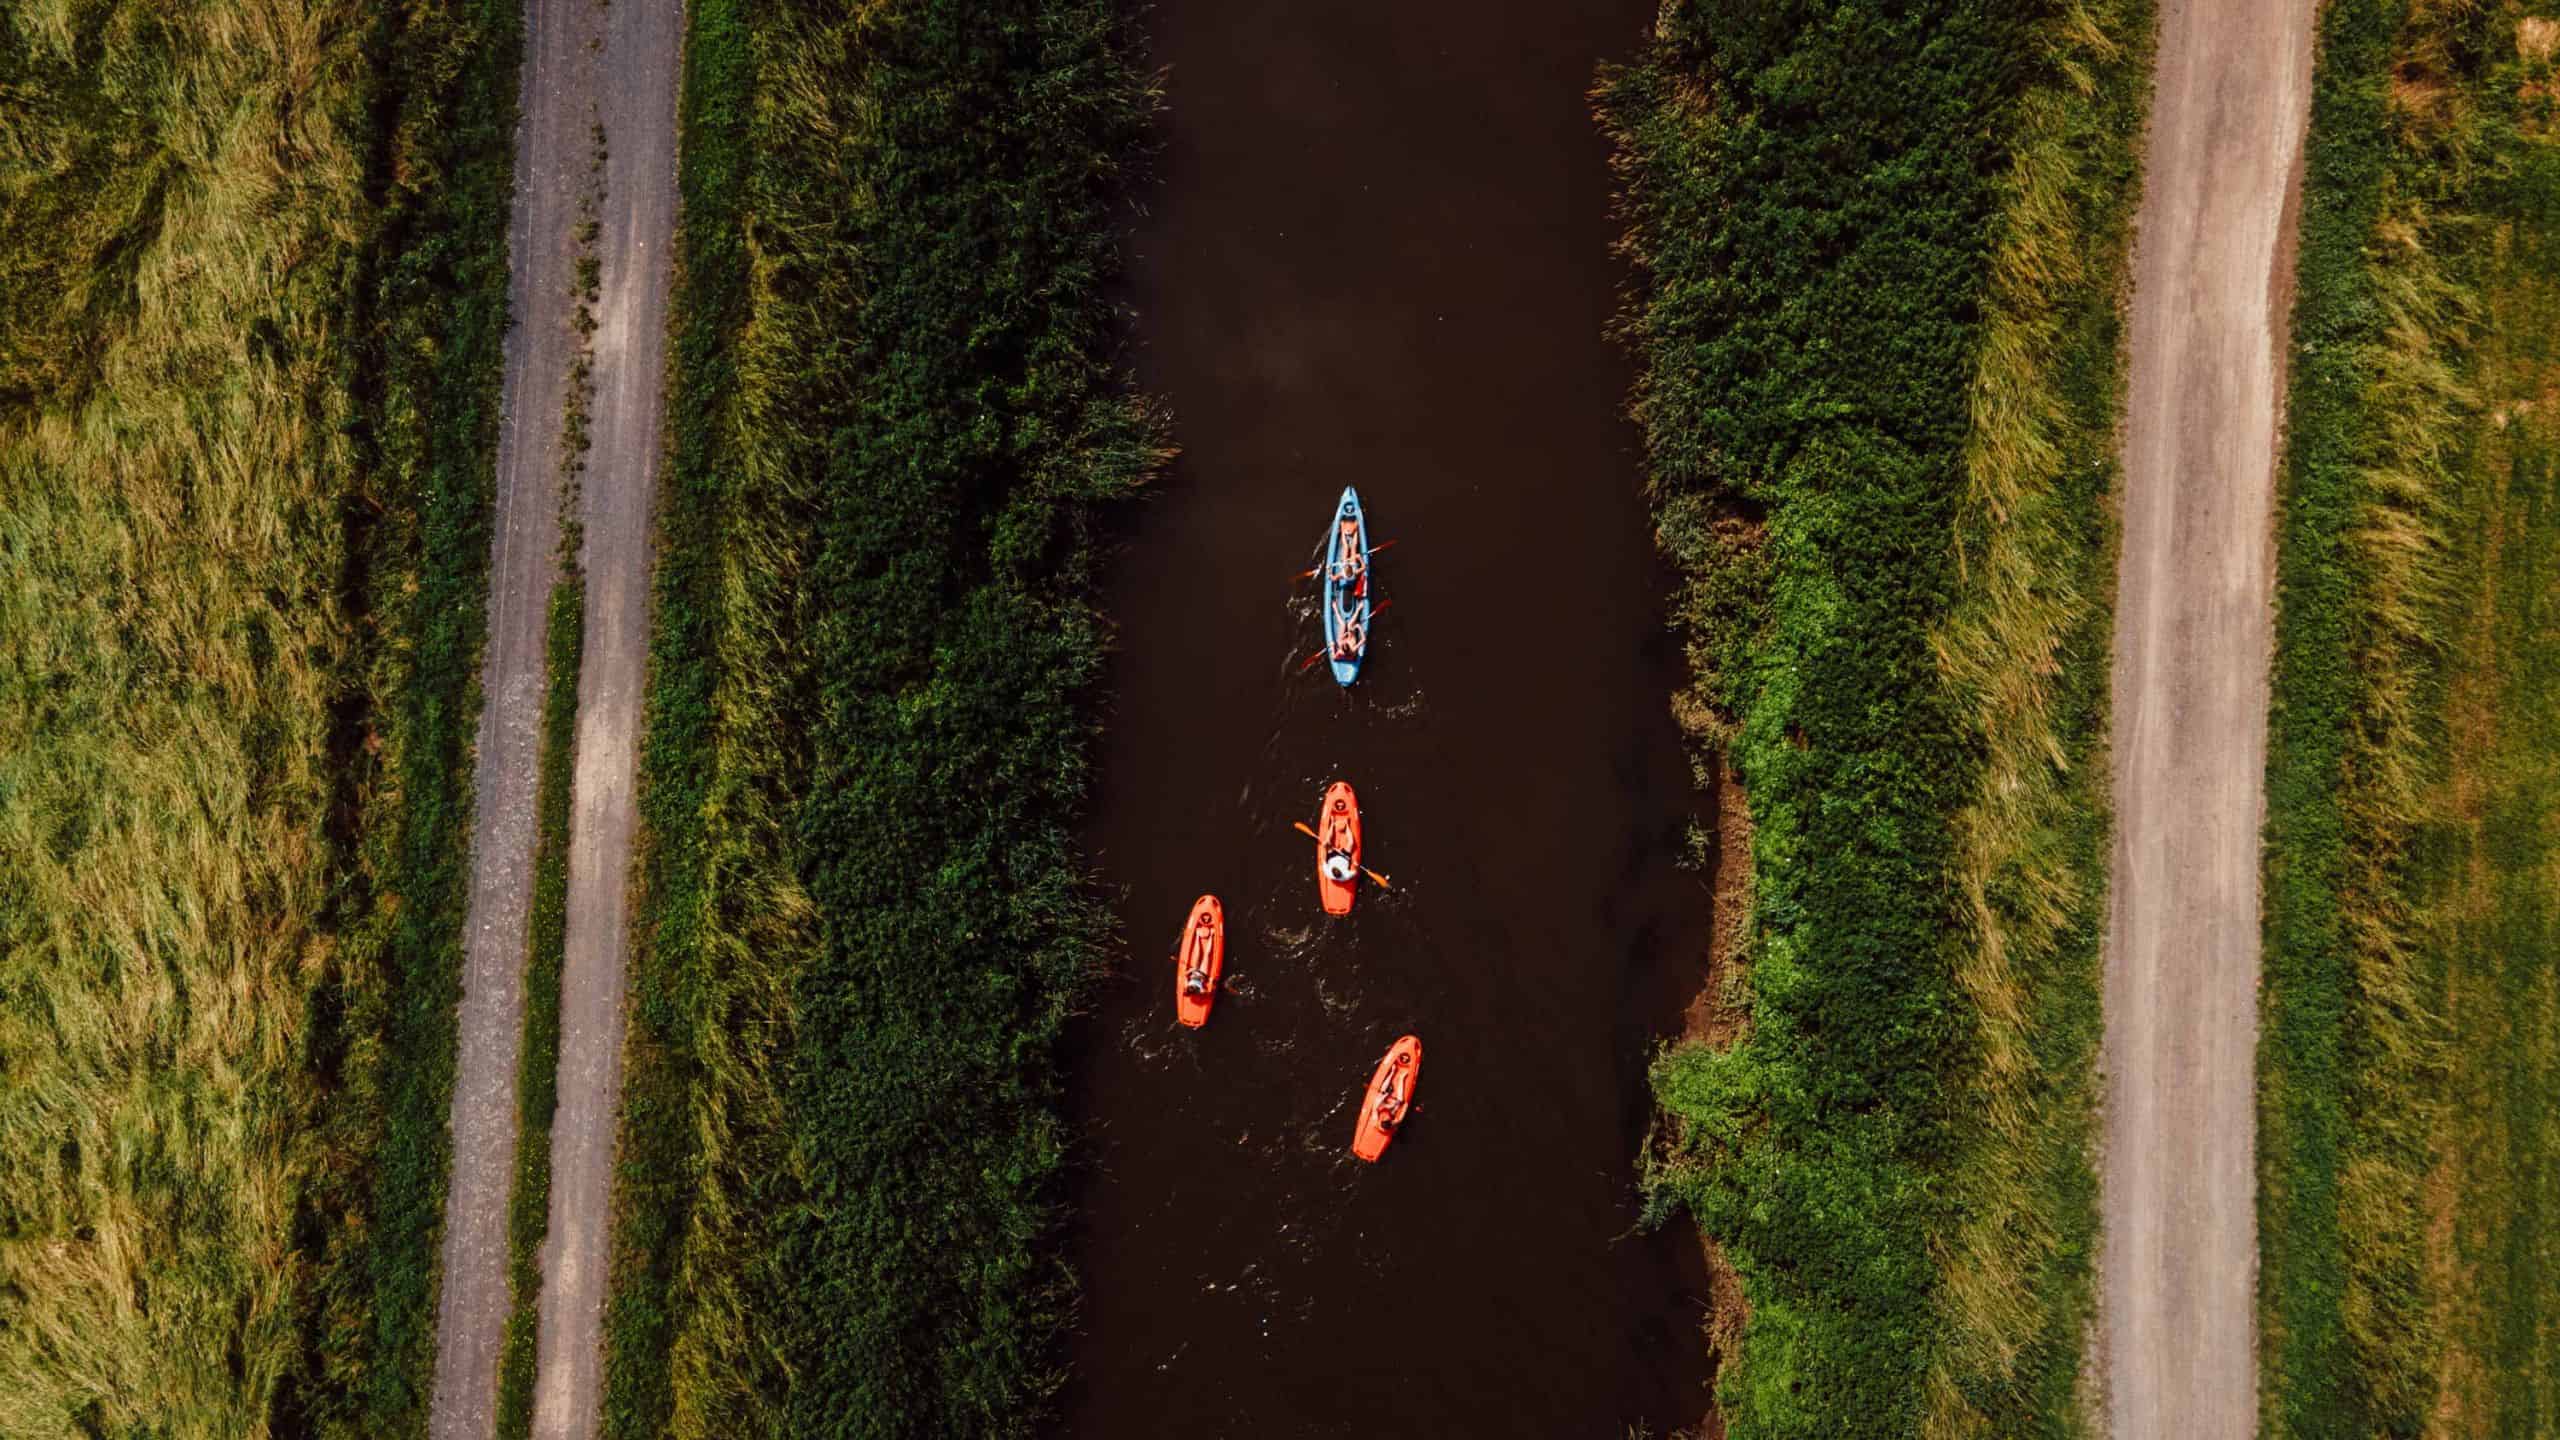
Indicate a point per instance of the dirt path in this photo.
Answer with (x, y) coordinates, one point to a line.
(589, 67)
(2212, 288)
(637, 108)
(471, 1310)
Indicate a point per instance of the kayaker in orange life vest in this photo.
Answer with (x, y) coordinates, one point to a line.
(1337, 842)
(1195, 974)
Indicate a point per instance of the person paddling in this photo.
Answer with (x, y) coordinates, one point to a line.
(1390, 1102)
(1351, 561)
(1337, 842)
(1195, 975)
(1346, 641)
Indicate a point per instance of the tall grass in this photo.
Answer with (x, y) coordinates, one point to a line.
(693, 1344)
(2025, 648)
(222, 501)
(896, 406)
(1812, 198)
(2484, 886)
(184, 188)
(1882, 254)
(959, 433)
(2414, 136)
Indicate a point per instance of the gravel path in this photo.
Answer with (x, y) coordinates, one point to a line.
(642, 42)
(587, 65)
(2212, 290)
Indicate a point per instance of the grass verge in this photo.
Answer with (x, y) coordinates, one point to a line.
(2026, 652)
(2428, 177)
(251, 300)
(895, 408)
(1881, 255)
(430, 320)
(705, 1169)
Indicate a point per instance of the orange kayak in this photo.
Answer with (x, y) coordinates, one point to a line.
(1390, 1098)
(1200, 956)
(1338, 828)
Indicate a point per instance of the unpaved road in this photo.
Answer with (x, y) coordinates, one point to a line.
(587, 65)
(642, 41)
(471, 1310)
(2212, 290)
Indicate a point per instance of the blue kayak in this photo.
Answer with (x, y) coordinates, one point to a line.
(1346, 587)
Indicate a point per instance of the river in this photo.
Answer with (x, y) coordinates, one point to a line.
(1377, 252)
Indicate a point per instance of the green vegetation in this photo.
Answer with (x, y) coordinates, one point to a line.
(2408, 897)
(1881, 253)
(2026, 652)
(896, 411)
(430, 315)
(706, 1168)
(2485, 861)
(251, 299)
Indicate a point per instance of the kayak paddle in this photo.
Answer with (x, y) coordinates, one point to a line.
(1309, 663)
(1374, 549)
(1365, 870)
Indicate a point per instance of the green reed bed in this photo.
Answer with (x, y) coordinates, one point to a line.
(1880, 253)
(898, 413)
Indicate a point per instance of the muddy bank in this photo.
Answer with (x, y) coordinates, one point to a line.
(1378, 255)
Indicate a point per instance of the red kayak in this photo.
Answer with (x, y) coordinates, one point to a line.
(1199, 957)
(1390, 1098)
(1338, 832)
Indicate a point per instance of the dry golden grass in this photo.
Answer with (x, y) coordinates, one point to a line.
(2025, 871)
(2416, 403)
(170, 646)
(2417, 400)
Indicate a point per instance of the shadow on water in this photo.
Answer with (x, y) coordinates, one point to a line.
(1378, 254)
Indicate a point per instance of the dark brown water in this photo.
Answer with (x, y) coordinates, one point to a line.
(1378, 255)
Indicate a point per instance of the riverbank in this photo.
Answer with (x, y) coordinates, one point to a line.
(893, 431)
(1882, 454)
